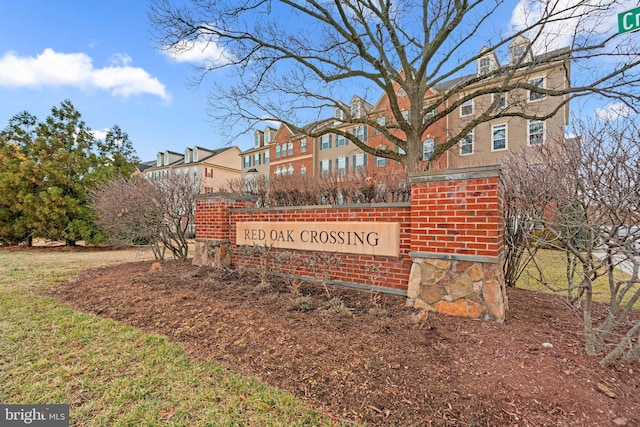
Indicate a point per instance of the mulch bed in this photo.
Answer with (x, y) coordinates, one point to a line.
(366, 357)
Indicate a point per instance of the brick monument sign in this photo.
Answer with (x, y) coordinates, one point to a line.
(442, 250)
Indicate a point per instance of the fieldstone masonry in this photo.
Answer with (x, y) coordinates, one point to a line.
(451, 241)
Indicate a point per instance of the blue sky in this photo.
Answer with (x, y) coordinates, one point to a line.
(100, 55)
(104, 61)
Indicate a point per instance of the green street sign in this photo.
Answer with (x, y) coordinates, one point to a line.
(629, 21)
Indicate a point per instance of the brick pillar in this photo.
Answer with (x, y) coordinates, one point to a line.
(213, 227)
(457, 239)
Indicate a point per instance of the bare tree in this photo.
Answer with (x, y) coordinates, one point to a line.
(127, 209)
(585, 195)
(177, 200)
(294, 60)
(159, 212)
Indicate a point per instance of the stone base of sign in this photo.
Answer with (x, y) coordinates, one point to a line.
(457, 287)
(460, 287)
(212, 253)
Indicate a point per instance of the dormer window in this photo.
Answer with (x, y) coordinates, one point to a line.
(194, 155)
(267, 137)
(356, 110)
(486, 63)
(187, 155)
(520, 50)
(159, 159)
(166, 157)
(338, 113)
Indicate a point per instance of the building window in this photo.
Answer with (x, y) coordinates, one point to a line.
(267, 137)
(537, 82)
(342, 164)
(256, 159)
(247, 161)
(290, 148)
(303, 145)
(466, 108)
(278, 171)
(303, 170)
(359, 160)
(382, 122)
(338, 113)
(361, 133)
(187, 156)
(430, 112)
(195, 171)
(405, 115)
(502, 99)
(277, 151)
(325, 165)
(402, 92)
(484, 65)
(166, 158)
(266, 156)
(195, 154)
(499, 137)
(466, 144)
(256, 140)
(159, 160)
(428, 146)
(355, 109)
(325, 142)
(341, 141)
(536, 132)
(381, 161)
(290, 170)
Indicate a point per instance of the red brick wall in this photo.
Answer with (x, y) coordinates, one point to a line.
(447, 217)
(354, 268)
(458, 217)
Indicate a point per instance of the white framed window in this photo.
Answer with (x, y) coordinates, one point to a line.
(159, 160)
(361, 133)
(342, 164)
(290, 148)
(484, 65)
(341, 141)
(166, 158)
(537, 82)
(499, 137)
(303, 145)
(430, 112)
(266, 156)
(359, 160)
(267, 137)
(518, 52)
(187, 156)
(303, 170)
(382, 122)
(381, 161)
(466, 108)
(277, 151)
(256, 159)
(428, 146)
(325, 142)
(278, 171)
(256, 139)
(536, 132)
(195, 171)
(247, 161)
(325, 165)
(194, 154)
(338, 113)
(290, 170)
(502, 99)
(356, 109)
(466, 144)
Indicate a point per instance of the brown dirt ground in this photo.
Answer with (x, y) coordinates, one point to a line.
(383, 365)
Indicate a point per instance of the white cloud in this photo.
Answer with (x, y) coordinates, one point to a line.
(198, 52)
(613, 112)
(51, 68)
(570, 19)
(100, 134)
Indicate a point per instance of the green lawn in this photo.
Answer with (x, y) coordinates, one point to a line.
(554, 267)
(111, 374)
